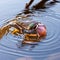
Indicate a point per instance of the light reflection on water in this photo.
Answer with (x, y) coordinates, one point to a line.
(50, 46)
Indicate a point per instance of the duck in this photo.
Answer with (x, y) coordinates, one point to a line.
(31, 30)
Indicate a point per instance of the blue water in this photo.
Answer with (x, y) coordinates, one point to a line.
(47, 49)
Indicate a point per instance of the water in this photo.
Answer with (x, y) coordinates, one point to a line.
(47, 49)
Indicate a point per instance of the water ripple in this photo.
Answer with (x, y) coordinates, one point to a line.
(45, 46)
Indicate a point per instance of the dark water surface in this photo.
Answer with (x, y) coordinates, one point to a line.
(47, 49)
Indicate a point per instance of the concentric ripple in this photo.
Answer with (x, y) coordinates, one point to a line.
(47, 46)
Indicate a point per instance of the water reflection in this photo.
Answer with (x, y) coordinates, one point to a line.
(55, 56)
(25, 58)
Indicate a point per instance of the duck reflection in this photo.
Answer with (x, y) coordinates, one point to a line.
(42, 4)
